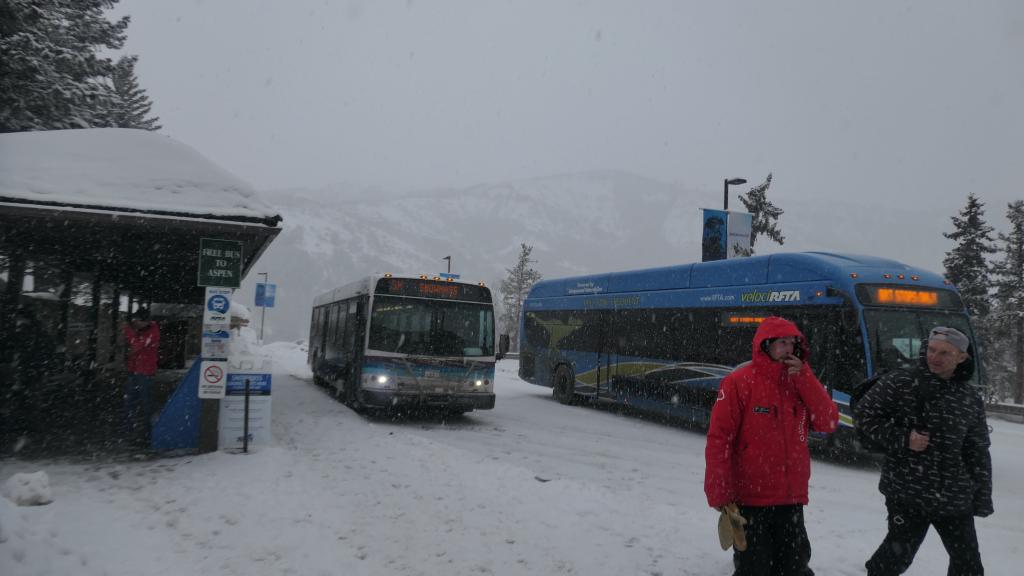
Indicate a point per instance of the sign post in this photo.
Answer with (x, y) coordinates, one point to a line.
(264, 299)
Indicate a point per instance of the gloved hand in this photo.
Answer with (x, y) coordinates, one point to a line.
(730, 528)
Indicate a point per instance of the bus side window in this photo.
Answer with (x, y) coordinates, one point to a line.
(337, 326)
(851, 366)
(708, 342)
(350, 330)
(317, 338)
(331, 321)
(339, 336)
(312, 333)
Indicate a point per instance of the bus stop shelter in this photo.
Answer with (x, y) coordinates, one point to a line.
(94, 223)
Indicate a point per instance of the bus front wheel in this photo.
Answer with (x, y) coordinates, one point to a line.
(564, 387)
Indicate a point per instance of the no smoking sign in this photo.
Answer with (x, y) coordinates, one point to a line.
(212, 379)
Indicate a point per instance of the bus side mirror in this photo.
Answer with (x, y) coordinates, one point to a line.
(503, 344)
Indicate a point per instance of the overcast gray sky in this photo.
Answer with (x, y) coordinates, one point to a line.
(884, 101)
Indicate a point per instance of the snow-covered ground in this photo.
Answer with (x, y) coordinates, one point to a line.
(531, 487)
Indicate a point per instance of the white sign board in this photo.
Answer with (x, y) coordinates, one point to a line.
(232, 412)
(217, 307)
(216, 339)
(212, 379)
(738, 228)
(216, 348)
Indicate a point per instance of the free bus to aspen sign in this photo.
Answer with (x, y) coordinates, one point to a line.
(220, 263)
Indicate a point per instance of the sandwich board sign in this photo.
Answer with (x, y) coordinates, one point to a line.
(232, 425)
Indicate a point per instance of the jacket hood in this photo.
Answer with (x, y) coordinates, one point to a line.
(776, 327)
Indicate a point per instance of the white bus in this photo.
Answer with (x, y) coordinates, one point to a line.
(405, 342)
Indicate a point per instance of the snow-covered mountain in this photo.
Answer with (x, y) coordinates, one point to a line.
(577, 224)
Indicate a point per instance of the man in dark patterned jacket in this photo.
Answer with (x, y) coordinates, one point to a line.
(937, 469)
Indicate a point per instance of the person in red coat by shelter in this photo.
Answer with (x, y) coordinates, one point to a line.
(756, 454)
(142, 336)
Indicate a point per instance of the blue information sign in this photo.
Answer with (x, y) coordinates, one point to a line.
(265, 295)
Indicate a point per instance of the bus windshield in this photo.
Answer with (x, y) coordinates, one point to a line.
(431, 327)
(895, 336)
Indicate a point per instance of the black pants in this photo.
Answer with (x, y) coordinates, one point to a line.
(906, 533)
(777, 543)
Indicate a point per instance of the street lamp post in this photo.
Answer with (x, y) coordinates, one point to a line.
(731, 182)
(449, 259)
(263, 314)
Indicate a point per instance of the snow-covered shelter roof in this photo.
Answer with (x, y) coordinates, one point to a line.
(123, 170)
(129, 206)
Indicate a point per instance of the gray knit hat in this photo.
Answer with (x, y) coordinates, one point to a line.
(951, 335)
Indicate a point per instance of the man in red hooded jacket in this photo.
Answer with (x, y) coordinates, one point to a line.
(142, 336)
(757, 453)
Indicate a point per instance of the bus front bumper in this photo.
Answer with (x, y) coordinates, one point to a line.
(389, 399)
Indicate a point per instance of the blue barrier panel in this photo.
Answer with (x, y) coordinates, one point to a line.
(177, 427)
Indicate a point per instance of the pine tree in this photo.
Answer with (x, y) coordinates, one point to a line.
(965, 264)
(765, 216)
(967, 268)
(1009, 294)
(514, 289)
(132, 105)
(52, 74)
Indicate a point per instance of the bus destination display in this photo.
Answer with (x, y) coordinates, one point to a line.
(433, 289)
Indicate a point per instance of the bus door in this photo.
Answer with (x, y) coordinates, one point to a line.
(821, 330)
(349, 342)
(541, 354)
(358, 346)
(613, 346)
(587, 342)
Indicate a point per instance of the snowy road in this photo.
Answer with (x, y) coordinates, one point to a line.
(338, 493)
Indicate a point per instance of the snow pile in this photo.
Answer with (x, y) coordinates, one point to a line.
(239, 310)
(29, 489)
(284, 357)
(290, 358)
(29, 546)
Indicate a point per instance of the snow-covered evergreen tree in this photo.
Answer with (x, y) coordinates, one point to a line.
(514, 289)
(1008, 316)
(765, 215)
(966, 264)
(132, 106)
(968, 269)
(52, 74)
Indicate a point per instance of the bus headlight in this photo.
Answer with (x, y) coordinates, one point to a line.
(378, 381)
(478, 383)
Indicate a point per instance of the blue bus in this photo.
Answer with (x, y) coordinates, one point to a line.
(661, 339)
(393, 342)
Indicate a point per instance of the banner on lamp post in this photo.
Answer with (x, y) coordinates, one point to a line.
(739, 227)
(713, 245)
